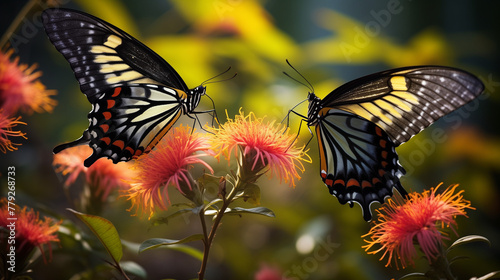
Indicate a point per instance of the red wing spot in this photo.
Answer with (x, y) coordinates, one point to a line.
(352, 182)
(383, 143)
(323, 175)
(381, 172)
(116, 92)
(366, 184)
(104, 127)
(329, 182)
(376, 181)
(130, 149)
(384, 154)
(111, 103)
(120, 144)
(106, 140)
(107, 115)
(340, 182)
(384, 163)
(378, 130)
(137, 154)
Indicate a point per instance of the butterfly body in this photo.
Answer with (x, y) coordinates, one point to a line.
(359, 125)
(136, 96)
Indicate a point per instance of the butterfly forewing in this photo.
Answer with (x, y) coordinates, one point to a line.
(404, 101)
(358, 160)
(103, 56)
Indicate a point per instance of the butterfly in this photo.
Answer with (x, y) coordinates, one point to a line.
(359, 125)
(136, 95)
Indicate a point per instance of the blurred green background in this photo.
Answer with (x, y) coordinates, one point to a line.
(329, 42)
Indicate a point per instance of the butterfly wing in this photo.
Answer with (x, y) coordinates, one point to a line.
(404, 101)
(103, 56)
(136, 96)
(128, 122)
(358, 161)
(360, 124)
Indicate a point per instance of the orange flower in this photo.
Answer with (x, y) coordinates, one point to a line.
(104, 176)
(30, 230)
(167, 164)
(421, 219)
(262, 144)
(6, 125)
(20, 88)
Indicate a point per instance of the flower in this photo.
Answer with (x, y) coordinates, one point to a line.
(166, 165)
(70, 162)
(262, 144)
(6, 125)
(422, 219)
(30, 230)
(103, 176)
(267, 272)
(20, 87)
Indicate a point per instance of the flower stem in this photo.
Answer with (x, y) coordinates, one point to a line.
(208, 239)
(442, 266)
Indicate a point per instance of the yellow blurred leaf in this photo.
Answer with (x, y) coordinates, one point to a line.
(245, 19)
(354, 42)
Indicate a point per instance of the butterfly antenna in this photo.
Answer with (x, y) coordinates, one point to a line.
(307, 84)
(209, 81)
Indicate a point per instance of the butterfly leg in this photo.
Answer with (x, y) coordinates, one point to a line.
(197, 120)
(212, 113)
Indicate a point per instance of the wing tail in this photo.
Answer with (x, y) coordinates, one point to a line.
(84, 140)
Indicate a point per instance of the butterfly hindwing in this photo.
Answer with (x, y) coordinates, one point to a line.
(129, 121)
(103, 56)
(406, 100)
(358, 161)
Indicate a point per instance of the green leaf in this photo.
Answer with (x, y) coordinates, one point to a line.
(158, 242)
(491, 275)
(251, 194)
(164, 220)
(188, 250)
(105, 231)
(469, 239)
(458, 258)
(416, 275)
(213, 202)
(134, 268)
(257, 210)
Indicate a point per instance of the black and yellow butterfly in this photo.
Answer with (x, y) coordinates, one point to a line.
(359, 125)
(136, 95)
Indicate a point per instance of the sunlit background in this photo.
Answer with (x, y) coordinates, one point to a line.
(312, 236)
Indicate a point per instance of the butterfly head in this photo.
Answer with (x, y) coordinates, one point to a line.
(194, 98)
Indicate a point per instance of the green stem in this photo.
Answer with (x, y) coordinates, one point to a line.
(207, 241)
(245, 175)
(206, 248)
(122, 271)
(442, 266)
(17, 21)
